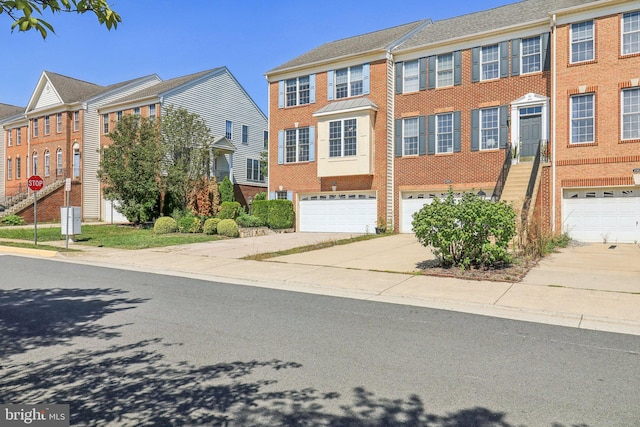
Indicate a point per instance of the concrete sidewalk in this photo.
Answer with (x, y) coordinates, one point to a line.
(589, 286)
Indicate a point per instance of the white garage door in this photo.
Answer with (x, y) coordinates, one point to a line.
(110, 214)
(349, 213)
(609, 215)
(412, 202)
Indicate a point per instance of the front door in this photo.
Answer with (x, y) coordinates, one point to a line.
(530, 134)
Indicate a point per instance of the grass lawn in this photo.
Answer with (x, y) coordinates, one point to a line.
(109, 236)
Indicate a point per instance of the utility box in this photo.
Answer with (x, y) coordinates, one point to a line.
(72, 217)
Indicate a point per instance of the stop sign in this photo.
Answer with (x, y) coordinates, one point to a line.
(35, 183)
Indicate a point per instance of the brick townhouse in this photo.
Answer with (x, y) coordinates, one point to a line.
(61, 131)
(372, 127)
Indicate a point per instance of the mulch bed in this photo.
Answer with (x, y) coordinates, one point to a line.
(511, 273)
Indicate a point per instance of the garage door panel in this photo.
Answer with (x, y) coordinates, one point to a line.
(599, 215)
(348, 216)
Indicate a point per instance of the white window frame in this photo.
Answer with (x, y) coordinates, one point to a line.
(36, 129)
(342, 138)
(34, 163)
(484, 130)
(411, 76)
(409, 137)
(486, 63)
(18, 167)
(118, 116)
(245, 134)
(76, 121)
(632, 116)
(442, 136)
(59, 123)
(299, 89)
(9, 168)
(350, 82)
(152, 111)
(19, 136)
(296, 143)
(228, 129)
(633, 33)
(105, 124)
(9, 137)
(59, 161)
(47, 163)
(585, 119)
(47, 125)
(444, 73)
(586, 40)
(254, 169)
(524, 55)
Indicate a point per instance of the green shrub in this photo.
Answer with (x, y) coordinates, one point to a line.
(470, 232)
(190, 224)
(211, 226)
(280, 214)
(260, 209)
(12, 220)
(260, 196)
(164, 225)
(226, 190)
(245, 220)
(229, 210)
(228, 227)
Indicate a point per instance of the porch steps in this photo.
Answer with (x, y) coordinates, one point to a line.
(24, 203)
(515, 189)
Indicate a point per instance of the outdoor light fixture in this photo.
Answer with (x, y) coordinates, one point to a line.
(482, 194)
(334, 186)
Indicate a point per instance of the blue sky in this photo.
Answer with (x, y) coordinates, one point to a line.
(158, 37)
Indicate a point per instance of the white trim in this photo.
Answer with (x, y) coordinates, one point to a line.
(529, 100)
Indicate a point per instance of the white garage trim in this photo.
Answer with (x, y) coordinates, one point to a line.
(333, 212)
(610, 215)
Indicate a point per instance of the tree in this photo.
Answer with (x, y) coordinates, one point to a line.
(22, 12)
(226, 190)
(130, 168)
(264, 163)
(187, 153)
(469, 232)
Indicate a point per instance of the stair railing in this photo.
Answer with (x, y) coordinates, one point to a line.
(504, 172)
(532, 183)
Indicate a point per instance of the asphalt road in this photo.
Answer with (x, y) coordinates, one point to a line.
(128, 348)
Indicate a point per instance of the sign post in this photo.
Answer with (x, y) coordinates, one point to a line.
(67, 189)
(35, 184)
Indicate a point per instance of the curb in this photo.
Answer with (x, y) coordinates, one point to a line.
(28, 251)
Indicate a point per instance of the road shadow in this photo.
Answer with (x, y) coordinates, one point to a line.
(135, 385)
(36, 318)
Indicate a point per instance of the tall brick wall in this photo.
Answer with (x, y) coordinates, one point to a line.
(608, 161)
(466, 169)
(303, 177)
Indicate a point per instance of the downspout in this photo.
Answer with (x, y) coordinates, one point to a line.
(269, 134)
(553, 120)
(27, 161)
(390, 143)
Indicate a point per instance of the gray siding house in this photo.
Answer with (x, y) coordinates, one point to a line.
(236, 122)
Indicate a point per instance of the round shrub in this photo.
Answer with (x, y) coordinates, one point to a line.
(211, 226)
(228, 227)
(190, 224)
(260, 196)
(229, 210)
(164, 225)
(12, 220)
(245, 220)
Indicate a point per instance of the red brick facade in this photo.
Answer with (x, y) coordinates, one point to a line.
(609, 160)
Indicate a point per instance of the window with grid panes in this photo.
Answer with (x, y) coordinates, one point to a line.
(582, 42)
(490, 62)
(631, 113)
(582, 118)
(410, 136)
(342, 138)
(444, 133)
(444, 65)
(297, 91)
(297, 145)
(531, 55)
(489, 128)
(631, 33)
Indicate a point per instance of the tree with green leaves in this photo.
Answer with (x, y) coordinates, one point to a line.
(25, 14)
(187, 154)
(130, 168)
